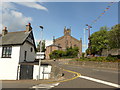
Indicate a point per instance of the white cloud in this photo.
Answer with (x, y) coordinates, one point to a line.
(19, 0)
(47, 42)
(12, 18)
(33, 5)
(0, 28)
(84, 45)
(61, 0)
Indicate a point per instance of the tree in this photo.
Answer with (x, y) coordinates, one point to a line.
(43, 46)
(114, 37)
(57, 54)
(99, 41)
(105, 39)
(69, 53)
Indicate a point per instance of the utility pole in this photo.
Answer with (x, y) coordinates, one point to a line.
(89, 43)
(40, 52)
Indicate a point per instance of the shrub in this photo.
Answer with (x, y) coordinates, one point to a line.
(69, 53)
(110, 58)
(101, 58)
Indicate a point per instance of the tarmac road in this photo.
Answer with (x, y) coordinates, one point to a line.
(90, 77)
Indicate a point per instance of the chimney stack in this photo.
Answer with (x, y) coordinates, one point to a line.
(4, 31)
(28, 27)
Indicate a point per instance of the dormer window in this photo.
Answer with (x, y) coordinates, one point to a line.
(6, 52)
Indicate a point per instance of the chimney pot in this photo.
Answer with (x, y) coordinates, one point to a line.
(29, 24)
(4, 31)
(5, 28)
(28, 27)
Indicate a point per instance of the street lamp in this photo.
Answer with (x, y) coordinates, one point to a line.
(40, 51)
(89, 44)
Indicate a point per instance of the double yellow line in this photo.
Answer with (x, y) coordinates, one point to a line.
(77, 75)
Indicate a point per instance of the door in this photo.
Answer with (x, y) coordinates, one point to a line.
(26, 72)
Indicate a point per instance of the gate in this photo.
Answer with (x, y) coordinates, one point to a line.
(26, 72)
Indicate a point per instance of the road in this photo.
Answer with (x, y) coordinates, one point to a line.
(95, 78)
(90, 77)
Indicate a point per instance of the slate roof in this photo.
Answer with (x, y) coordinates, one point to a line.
(14, 38)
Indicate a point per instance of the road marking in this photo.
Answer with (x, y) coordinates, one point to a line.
(77, 75)
(48, 86)
(56, 83)
(100, 81)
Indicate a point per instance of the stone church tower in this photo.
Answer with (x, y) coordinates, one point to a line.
(68, 41)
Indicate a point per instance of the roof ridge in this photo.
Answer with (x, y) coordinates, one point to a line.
(16, 32)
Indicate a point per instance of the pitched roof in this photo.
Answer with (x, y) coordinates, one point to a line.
(64, 37)
(54, 45)
(14, 38)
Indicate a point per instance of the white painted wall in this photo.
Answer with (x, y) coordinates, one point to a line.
(47, 71)
(30, 55)
(8, 66)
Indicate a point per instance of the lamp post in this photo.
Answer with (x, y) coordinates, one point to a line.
(40, 51)
(89, 44)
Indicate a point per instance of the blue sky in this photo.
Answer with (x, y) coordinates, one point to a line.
(70, 14)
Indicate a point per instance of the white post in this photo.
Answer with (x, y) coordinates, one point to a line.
(40, 54)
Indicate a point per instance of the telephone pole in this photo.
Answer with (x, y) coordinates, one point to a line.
(89, 43)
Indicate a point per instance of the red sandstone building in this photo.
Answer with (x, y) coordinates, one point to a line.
(63, 42)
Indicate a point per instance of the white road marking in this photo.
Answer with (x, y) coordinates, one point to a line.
(48, 86)
(101, 81)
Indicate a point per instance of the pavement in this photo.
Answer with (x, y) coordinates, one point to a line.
(33, 83)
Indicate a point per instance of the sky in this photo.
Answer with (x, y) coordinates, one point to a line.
(54, 16)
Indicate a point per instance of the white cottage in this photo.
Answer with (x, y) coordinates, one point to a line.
(16, 48)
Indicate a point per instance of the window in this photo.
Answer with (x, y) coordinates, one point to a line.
(31, 49)
(6, 52)
(75, 45)
(58, 44)
(25, 55)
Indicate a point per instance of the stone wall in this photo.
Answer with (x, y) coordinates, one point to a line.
(56, 72)
(109, 65)
(106, 52)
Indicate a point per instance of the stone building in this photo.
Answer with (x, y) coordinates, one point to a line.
(67, 41)
(51, 48)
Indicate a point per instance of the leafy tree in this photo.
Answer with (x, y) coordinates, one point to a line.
(57, 54)
(72, 52)
(114, 37)
(69, 53)
(99, 41)
(42, 47)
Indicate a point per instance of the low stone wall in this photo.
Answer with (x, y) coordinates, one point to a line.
(56, 72)
(109, 65)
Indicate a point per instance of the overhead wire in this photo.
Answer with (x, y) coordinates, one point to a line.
(94, 21)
